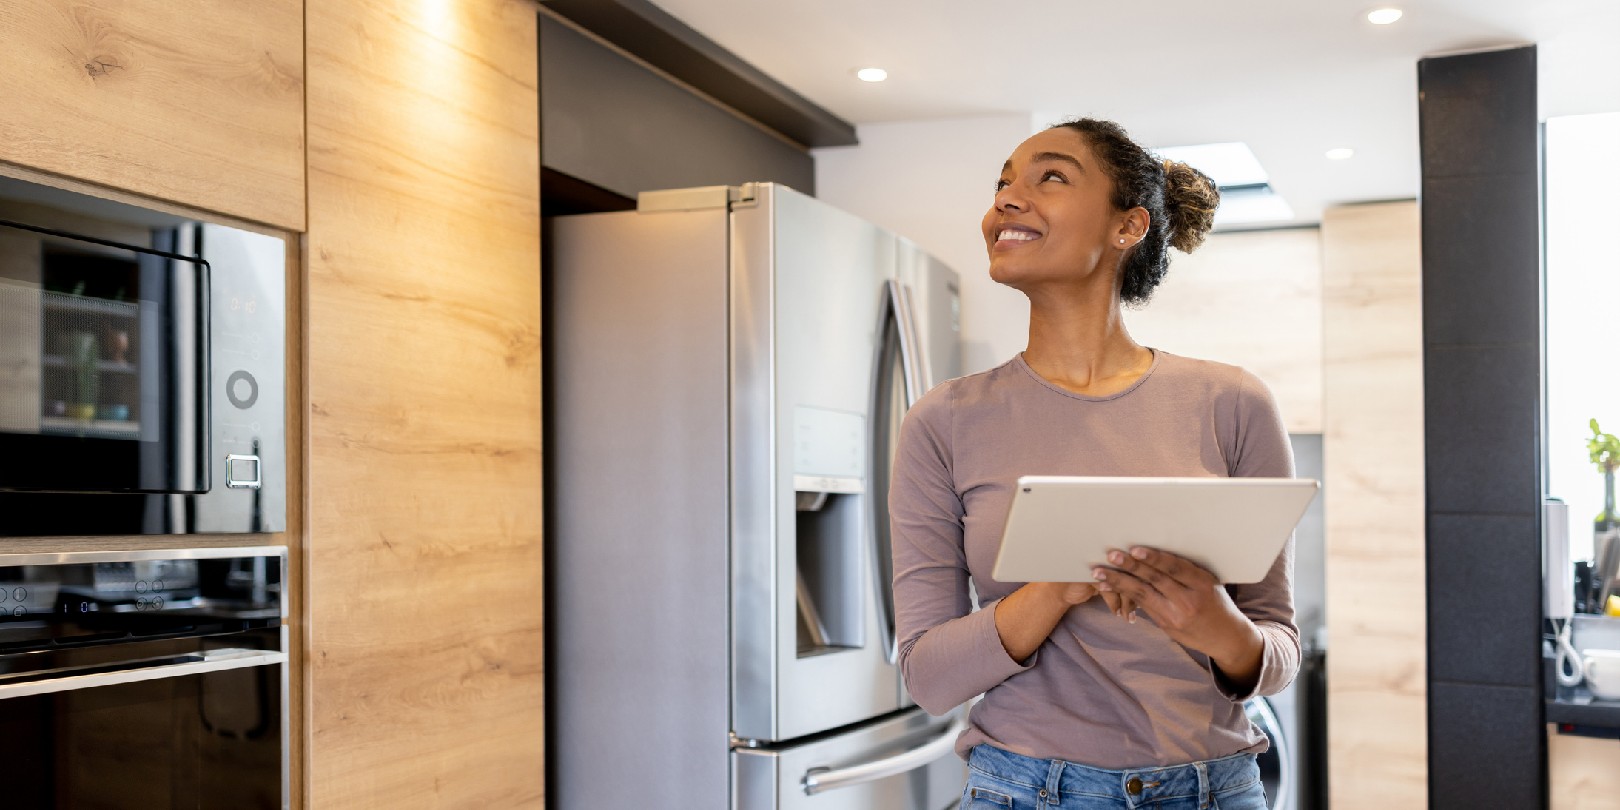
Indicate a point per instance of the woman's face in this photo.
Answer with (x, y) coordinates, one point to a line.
(1052, 219)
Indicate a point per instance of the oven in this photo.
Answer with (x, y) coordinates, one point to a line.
(144, 679)
(142, 361)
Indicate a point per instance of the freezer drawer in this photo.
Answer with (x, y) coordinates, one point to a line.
(905, 762)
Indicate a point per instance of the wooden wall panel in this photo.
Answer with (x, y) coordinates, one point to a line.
(1581, 773)
(1374, 510)
(198, 102)
(424, 557)
(1252, 299)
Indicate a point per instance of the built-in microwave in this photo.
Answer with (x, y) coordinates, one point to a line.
(142, 359)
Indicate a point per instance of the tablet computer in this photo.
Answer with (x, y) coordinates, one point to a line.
(1060, 527)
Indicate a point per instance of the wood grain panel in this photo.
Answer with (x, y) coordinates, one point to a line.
(1581, 772)
(198, 102)
(424, 558)
(1253, 300)
(1374, 511)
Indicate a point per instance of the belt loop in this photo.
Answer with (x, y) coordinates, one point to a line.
(1204, 792)
(1054, 780)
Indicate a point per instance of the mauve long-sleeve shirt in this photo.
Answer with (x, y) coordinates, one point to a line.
(1099, 691)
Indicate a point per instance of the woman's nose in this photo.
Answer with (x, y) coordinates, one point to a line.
(1007, 199)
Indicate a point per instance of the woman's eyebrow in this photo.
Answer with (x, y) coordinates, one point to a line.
(1041, 157)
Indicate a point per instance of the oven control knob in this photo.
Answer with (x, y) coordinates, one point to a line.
(19, 611)
(19, 594)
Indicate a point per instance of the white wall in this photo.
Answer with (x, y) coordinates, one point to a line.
(1582, 288)
(931, 182)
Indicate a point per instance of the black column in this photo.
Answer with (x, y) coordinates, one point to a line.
(1482, 401)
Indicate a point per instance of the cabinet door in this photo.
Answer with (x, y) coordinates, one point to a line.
(199, 102)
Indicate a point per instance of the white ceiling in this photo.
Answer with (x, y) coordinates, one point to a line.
(1292, 78)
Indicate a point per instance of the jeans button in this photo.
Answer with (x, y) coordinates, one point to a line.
(1134, 786)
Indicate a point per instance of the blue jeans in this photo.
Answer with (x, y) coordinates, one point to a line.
(1001, 780)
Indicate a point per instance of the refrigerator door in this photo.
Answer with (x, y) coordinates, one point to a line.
(900, 763)
(807, 282)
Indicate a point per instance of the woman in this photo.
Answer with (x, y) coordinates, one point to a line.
(1084, 706)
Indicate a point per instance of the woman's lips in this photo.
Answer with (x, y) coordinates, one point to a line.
(1012, 236)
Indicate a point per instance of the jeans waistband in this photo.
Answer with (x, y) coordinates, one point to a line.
(1134, 785)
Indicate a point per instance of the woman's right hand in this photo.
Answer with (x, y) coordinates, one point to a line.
(1025, 617)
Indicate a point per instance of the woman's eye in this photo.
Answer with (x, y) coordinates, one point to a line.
(1001, 184)
(1054, 175)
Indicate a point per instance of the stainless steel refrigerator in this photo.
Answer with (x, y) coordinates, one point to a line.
(727, 371)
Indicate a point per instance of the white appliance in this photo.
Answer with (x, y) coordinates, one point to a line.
(727, 372)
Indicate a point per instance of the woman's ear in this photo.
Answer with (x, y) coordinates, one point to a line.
(1135, 226)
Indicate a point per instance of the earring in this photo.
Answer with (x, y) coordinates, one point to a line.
(1122, 241)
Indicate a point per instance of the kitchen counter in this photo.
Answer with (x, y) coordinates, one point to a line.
(1575, 706)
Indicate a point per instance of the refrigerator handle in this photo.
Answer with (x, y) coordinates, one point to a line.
(821, 780)
(913, 359)
(894, 314)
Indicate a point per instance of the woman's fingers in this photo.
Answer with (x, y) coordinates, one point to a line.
(1141, 593)
(1174, 566)
(1169, 574)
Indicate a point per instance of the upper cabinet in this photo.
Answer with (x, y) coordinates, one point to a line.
(198, 102)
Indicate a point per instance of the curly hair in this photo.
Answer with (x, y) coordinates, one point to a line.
(1179, 199)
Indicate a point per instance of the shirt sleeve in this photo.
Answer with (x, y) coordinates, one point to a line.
(1261, 450)
(948, 652)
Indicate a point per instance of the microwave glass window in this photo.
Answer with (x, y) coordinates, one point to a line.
(91, 325)
(102, 361)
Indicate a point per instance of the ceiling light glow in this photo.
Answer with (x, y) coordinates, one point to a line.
(1383, 16)
(872, 74)
(1341, 153)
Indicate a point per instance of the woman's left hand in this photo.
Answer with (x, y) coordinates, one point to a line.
(1188, 603)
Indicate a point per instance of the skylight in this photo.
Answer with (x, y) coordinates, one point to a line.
(1247, 197)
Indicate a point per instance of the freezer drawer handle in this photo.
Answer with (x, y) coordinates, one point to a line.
(821, 780)
(210, 661)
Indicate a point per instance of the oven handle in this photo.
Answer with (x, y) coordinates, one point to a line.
(821, 780)
(210, 661)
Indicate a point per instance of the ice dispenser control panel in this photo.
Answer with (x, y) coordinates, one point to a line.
(829, 450)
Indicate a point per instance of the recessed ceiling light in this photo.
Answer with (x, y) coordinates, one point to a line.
(871, 74)
(1383, 16)
(1342, 153)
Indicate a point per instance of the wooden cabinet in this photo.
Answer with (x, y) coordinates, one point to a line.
(424, 556)
(1373, 470)
(197, 102)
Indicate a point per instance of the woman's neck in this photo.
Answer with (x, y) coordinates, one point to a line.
(1079, 343)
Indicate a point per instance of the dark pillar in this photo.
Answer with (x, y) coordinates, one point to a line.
(1482, 403)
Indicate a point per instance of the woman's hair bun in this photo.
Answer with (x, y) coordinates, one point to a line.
(1190, 199)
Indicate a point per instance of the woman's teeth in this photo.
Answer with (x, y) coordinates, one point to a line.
(1017, 236)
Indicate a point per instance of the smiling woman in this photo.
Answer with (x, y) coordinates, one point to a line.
(1079, 696)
